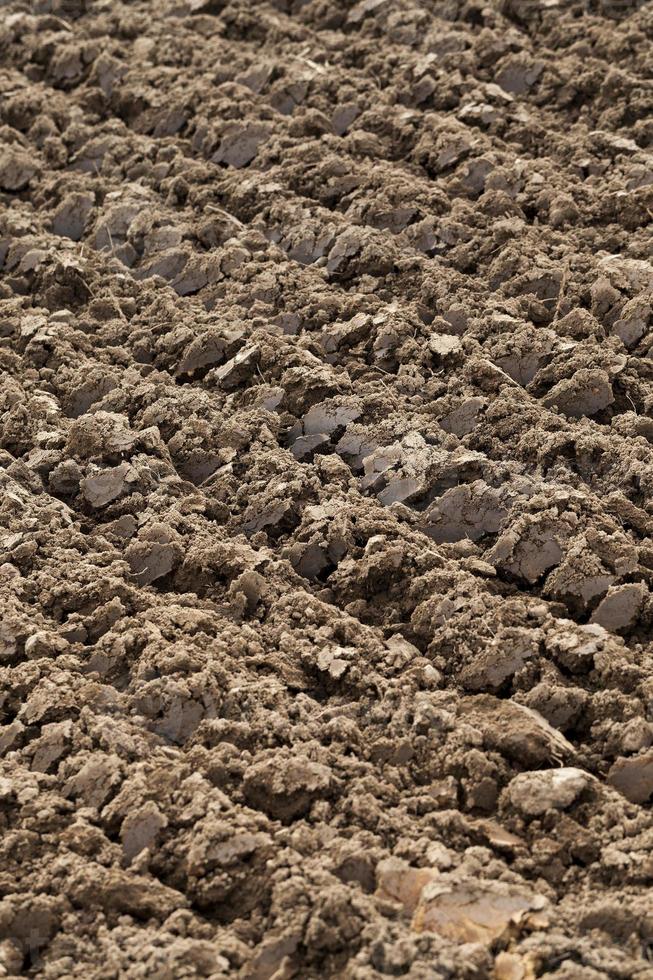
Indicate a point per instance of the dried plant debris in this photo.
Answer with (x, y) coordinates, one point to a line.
(326, 520)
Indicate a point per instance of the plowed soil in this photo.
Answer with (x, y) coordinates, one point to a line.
(326, 527)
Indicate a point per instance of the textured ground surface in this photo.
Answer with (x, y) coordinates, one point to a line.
(327, 490)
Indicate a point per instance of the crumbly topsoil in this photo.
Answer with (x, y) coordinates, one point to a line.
(327, 489)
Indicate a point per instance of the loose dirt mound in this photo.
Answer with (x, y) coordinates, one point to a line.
(327, 489)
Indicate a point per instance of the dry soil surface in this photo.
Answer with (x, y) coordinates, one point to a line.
(327, 489)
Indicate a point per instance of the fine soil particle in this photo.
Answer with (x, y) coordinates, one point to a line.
(326, 526)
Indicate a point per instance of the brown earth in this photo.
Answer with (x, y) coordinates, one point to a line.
(327, 489)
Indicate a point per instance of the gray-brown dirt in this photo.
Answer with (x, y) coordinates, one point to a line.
(327, 489)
